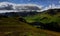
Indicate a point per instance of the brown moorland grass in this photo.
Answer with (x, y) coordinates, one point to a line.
(13, 27)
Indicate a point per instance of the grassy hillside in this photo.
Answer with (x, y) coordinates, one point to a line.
(13, 27)
(44, 18)
(49, 19)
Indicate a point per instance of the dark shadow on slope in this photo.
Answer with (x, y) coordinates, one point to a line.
(53, 26)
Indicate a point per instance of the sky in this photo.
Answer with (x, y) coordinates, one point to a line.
(39, 2)
(47, 4)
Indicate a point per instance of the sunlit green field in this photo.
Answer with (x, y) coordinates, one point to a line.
(44, 18)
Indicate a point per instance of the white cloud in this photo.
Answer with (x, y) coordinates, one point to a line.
(53, 6)
(29, 4)
(14, 5)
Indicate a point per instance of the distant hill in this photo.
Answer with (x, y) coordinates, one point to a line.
(23, 14)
